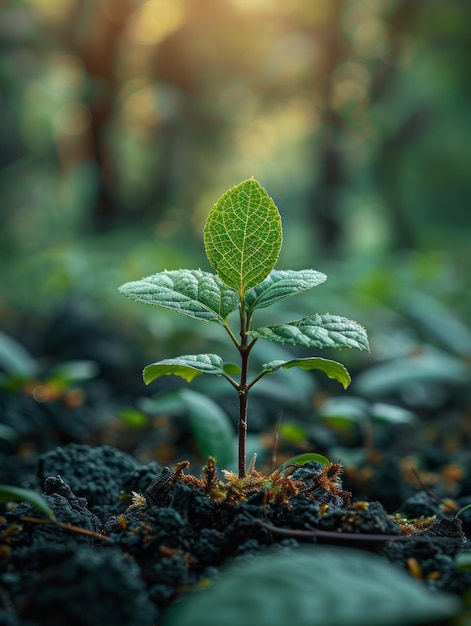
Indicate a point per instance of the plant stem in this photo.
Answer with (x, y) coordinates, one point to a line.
(243, 401)
(243, 391)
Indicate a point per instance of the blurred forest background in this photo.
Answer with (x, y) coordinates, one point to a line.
(123, 121)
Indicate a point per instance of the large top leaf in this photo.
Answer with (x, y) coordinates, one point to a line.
(317, 331)
(243, 235)
(281, 284)
(194, 293)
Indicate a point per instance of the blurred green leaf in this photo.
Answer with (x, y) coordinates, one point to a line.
(70, 372)
(211, 426)
(349, 408)
(313, 586)
(438, 321)
(170, 403)
(349, 456)
(8, 493)
(391, 414)
(15, 359)
(133, 418)
(7, 433)
(430, 366)
(463, 561)
(293, 432)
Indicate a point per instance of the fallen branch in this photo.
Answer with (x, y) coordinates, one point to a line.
(328, 534)
(76, 529)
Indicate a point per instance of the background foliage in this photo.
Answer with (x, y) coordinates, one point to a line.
(122, 122)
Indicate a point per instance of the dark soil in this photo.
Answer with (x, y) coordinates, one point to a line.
(125, 562)
(129, 537)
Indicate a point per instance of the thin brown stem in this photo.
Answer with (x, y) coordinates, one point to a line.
(243, 404)
(76, 529)
(244, 351)
(341, 536)
(232, 336)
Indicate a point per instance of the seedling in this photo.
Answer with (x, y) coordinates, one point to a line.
(242, 237)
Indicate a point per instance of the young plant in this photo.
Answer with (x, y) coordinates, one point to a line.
(242, 237)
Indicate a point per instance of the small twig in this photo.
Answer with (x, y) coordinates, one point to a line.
(251, 466)
(328, 534)
(276, 438)
(76, 529)
(425, 487)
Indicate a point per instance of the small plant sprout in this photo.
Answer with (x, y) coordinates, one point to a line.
(242, 237)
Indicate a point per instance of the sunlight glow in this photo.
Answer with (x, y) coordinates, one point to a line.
(155, 20)
(52, 11)
(369, 39)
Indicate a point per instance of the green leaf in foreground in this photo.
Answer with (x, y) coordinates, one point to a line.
(332, 369)
(188, 367)
(243, 235)
(279, 285)
(193, 293)
(302, 459)
(8, 493)
(313, 586)
(317, 331)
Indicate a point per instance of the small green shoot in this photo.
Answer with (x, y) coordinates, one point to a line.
(462, 510)
(302, 459)
(243, 236)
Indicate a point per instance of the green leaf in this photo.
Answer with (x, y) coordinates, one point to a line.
(70, 372)
(302, 459)
(428, 368)
(384, 413)
(193, 293)
(9, 434)
(211, 427)
(463, 560)
(231, 368)
(281, 284)
(8, 493)
(133, 418)
(332, 369)
(439, 321)
(187, 367)
(294, 433)
(243, 235)
(15, 359)
(317, 331)
(313, 586)
(344, 410)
